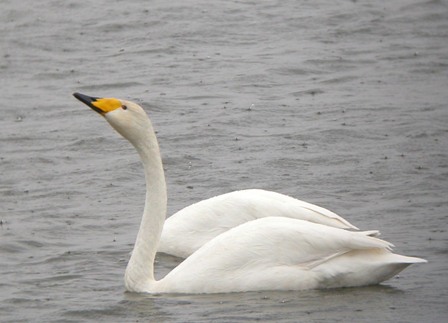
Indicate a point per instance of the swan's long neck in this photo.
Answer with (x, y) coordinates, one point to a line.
(139, 274)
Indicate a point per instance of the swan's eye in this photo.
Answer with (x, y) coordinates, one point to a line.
(124, 107)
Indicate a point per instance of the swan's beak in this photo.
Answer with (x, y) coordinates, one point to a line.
(100, 105)
(88, 100)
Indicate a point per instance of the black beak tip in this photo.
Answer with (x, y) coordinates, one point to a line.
(87, 100)
(84, 98)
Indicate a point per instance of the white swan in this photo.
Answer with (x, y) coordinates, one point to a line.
(202, 221)
(271, 253)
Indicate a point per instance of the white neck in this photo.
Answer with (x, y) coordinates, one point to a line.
(139, 274)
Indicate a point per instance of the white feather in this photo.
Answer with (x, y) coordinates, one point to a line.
(284, 254)
(202, 221)
(268, 253)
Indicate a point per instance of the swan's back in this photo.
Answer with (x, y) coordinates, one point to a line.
(202, 221)
(275, 253)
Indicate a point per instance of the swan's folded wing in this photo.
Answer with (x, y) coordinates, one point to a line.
(260, 250)
(295, 242)
(202, 221)
(302, 210)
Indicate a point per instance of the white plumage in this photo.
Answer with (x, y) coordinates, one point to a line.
(284, 254)
(269, 253)
(202, 221)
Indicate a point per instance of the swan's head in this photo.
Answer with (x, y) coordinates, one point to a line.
(128, 118)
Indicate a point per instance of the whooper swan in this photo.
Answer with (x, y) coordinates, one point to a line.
(270, 253)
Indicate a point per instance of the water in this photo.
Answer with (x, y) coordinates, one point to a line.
(339, 103)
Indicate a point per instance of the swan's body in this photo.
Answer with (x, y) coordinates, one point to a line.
(283, 254)
(202, 221)
(271, 253)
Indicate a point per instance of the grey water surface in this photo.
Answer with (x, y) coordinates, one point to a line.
(339, 103)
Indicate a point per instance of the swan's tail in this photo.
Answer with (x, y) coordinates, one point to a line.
(394, 265)
(407, 260)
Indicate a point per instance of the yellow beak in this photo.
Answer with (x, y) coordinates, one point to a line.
(100, 105)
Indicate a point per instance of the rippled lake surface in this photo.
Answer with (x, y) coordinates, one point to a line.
(339, 103)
